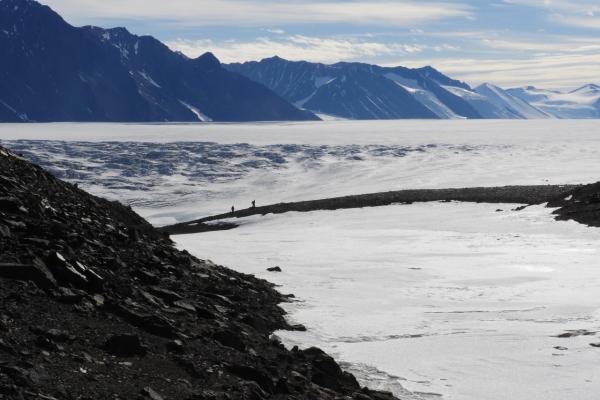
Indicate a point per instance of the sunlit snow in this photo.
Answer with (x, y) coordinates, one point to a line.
(462, 301)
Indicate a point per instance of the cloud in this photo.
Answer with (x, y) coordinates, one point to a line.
(559, 71)
(275, 31)
(264, 12)
(574, 13)
(296, 47)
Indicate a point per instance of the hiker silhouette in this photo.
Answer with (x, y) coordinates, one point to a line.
(253, 203)
(232, 209)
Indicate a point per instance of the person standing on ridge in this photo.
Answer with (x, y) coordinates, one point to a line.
(253, 203)
(232, 209)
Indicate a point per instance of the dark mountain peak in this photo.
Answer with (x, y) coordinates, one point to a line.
(428, 69)
(208, 61)
(431, 73)
(590, 87)
(15, 5)
(274, 59)
(15, 13)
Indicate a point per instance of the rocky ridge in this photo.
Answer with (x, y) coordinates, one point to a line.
(97, 304)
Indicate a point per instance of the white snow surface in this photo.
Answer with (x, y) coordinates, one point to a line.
(580, 103)
(173, 173)
(456, 300)
(515, 105)
(425, 97)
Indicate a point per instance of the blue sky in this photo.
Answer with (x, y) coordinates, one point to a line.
(546, 43)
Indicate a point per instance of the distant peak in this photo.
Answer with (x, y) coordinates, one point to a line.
(429, 68)
(486, 85)
(274, 59)
(588, 87)
(208, 60)
(119, 30)
(18, 5)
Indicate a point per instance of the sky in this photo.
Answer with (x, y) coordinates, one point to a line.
(545, 43)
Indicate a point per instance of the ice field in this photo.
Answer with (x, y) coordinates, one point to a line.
(458, 301)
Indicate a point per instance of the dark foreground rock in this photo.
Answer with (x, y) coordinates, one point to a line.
(96, 304)
(581, 204)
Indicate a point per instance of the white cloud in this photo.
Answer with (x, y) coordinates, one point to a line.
(559, 71)
(574, 13)
(275, 31)
(588, 22)
(264, 12)
(295, 47)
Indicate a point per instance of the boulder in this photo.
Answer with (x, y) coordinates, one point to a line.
(35, 272)
(125, 345)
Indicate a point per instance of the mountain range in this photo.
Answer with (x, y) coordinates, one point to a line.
(52, 71)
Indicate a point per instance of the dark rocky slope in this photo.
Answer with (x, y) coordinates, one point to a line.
(96, 304)
(581, 205)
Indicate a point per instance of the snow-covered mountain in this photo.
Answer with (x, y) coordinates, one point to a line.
(583, 102)
(363, 91)
(52, 71)
(511, 106)
(360, 91)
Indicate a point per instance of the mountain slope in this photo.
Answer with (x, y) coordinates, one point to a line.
(359, 91)
(513, 106)
(52, 71)
(583, 102)
(348, 90)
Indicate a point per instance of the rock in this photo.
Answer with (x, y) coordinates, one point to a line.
(204, 313)
(595, 344)
(230, 339)
(185, 306)
(175, 346)
(297, 328)
(327, 373)
(6, 348)
(5, 231)
(69, 296)
(254, 375)
(274, 269)
(151, 323)
(10, 205)
(56, 335)
(147, 277)
(125, 345)
(561, 348)
(151, 394)
(575, 333)
(167, 295)
(35, 272)
(66, 272)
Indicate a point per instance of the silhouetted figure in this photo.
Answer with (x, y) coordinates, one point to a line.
(253, 203)
(232, 209)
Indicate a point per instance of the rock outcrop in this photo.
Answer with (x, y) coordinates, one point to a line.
(97, 304)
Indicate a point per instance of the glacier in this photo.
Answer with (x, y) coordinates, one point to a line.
(436, 300)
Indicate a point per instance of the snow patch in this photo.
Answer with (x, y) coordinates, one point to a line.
(149, 79)
(201, 116)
